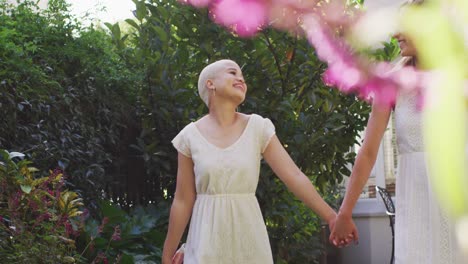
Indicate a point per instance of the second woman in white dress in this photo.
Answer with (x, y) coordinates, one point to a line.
(423, 232)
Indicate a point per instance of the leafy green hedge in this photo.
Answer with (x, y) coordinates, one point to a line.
(66, 97)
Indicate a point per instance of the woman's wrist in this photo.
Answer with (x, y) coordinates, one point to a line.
(167, 257)
(330, 216)
(344, 212)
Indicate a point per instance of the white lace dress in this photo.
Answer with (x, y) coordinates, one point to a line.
(423, 234)
(227, 226)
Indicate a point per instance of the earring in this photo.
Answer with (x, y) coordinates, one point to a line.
(214, 91)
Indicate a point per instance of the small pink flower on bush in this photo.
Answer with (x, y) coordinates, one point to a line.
(104, 222)
(116, 234)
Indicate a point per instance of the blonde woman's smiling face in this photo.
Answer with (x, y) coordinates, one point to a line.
(229, 82)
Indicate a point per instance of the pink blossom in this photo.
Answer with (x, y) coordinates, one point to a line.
(15, 200)
(68, 229)
(384, 92)
(244, 17)
(84, 216)
(300, 4)
(284, 17)
(328, 48)
(348, 78)
(33, 205)
(197, 3)
(408, 77)
(91, 245)
(45, 216)
(334, 13)
(116, 234)
(104, 222)
(320, 21)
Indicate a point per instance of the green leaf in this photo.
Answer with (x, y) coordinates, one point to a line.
(100, 242)
(16, 155)
(161, 33)
(133, 23)
(127, 259)
(116, 31)
(108, 25)
(115, 214)
(26, 188)
(141, 10)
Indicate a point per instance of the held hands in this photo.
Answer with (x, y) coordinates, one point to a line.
(343, 231)
(179, 255)
(177, 258)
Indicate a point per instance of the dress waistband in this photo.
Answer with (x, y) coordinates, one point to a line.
(220, 195)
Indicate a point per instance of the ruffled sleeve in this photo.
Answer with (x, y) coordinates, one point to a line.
(268, 132)
(181, 142)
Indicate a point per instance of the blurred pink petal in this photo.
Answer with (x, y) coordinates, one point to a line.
(284, 17)
(383, 91)
(320, 21)
(409, 78)
(298, 4)
(200, 3)
(346, 77)
(328, 48)
(245, 17)
(334, 13)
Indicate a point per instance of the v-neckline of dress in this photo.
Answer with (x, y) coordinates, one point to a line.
(230, 146)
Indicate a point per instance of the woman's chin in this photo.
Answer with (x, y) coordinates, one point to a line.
(407, 53)
(239, 99)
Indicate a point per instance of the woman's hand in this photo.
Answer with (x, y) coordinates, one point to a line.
(344, 231)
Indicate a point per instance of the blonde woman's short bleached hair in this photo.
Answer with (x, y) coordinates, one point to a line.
(209, 73)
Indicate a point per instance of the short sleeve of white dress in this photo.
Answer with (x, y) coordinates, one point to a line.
(181, 142)
(267, 133)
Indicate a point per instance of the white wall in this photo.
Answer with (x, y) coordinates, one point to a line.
(375, 237)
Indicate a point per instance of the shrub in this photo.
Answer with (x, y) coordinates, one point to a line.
(39, 218)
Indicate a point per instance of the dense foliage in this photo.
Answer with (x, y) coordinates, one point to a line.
(66, 98)
(39, 218)
(104, 104)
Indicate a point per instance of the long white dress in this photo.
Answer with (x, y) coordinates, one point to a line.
(227, 226)
(423, 233)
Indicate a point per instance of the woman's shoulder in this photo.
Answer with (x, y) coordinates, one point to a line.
(256, 116)
(200, 121)
(260, 119)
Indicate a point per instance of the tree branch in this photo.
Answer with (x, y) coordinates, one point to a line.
(293, 56)
(275, 56)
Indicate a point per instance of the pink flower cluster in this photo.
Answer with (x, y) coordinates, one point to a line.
(319, 20)
(247, 17)
(346, 71)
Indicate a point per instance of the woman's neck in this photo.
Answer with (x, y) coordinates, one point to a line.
(223, 115)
